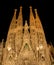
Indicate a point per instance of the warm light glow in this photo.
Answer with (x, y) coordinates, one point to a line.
(9, 48)
(37, 48)
(41, 47)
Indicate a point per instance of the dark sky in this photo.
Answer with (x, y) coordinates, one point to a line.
(45, 11)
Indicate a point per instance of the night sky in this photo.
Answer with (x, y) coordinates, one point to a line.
(45, 11)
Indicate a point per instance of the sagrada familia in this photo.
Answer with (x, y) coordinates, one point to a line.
(25, 44)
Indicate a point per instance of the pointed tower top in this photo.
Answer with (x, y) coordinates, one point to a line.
(32, 20)
(35, 11)
(37, 20)
(30, 8)
(26, 25)
(26, 32)
(13, 21)
(26, 22)
(2, 40)
(15, 10)
(20, 18)
(20, 8)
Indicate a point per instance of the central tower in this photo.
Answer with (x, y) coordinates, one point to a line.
(26, 45)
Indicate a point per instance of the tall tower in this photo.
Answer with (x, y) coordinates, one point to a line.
(38, 40)
(26, 45)
(14, 39)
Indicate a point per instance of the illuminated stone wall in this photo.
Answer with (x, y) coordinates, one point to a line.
(26, 45)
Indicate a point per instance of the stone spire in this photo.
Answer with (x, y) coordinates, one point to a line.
(26, 26)
(26, 37)
(26, 32)
(16, 22)
(25, 46)
(37, 20)
(32, 20)
(42, 44)
(20, 19)
(13, 22)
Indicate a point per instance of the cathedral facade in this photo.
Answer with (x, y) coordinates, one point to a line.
(26, 44)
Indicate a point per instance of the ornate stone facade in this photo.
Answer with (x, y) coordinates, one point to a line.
(26, 45)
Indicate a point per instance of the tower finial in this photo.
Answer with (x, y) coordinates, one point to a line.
(35, 11)
(25, 21)
(30, 8)
(32, 20)
(37, 20)
(15, 10)
(26, 25)
(20, 8)
(20, 18)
